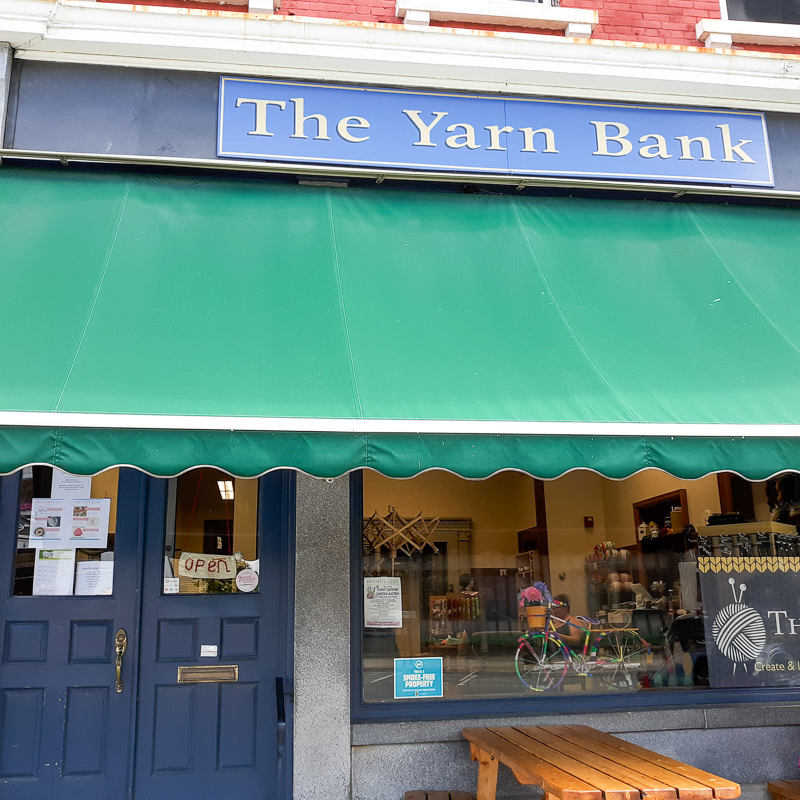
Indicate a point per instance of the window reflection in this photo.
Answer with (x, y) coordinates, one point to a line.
(580, 585)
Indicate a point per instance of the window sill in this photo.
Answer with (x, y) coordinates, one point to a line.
(723, 32)
(575, 22)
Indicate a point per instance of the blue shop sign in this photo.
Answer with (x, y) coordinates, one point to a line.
(393, 129)
(418, 677)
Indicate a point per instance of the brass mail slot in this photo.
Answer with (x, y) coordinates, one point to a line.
(216, 673)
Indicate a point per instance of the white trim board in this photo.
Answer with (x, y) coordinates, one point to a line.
(770, 33)
(522, 13)
(390, 55)
(376, 426)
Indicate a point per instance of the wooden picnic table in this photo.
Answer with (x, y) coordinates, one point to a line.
(576, 762)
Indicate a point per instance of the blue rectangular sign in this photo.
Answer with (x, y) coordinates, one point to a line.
(385, 128)
(418, 677)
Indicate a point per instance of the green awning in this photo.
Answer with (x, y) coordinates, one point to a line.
(170, 321)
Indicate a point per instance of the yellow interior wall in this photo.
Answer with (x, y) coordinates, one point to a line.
(568, 500)
(619, 497)
(499, 507)
(106, 484)
(245, 519)
(196, 508)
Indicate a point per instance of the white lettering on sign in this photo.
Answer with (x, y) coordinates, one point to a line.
(297, 122)
(794, 624)
(202, 565)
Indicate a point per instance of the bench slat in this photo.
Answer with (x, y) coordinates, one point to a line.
(612, 788)
(787, 789)
(529, 769)
(722, 789)
(650, 772)
(646, 784)
(644, 761)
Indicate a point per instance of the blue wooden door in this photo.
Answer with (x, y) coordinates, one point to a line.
(206, 741)
(65, 732)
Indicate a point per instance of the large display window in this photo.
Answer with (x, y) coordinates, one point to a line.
(581, 586)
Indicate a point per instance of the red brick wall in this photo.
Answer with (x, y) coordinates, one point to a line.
(671, 22)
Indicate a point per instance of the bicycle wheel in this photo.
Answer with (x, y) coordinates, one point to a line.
(541, 662)
(620, 659)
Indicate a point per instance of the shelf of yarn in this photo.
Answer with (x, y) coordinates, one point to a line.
(609, 577)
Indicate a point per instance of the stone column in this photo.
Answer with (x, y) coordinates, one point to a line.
(322, 640)
(6, 54)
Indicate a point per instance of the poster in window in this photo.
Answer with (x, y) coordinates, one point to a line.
(383, 603)
(752, 620)
(70, 522)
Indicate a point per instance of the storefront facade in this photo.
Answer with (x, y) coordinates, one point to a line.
(344, 342)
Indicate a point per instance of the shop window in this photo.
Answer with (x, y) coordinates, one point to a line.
(764, 10)
(66, 527)
(211, 542)
(580, 587)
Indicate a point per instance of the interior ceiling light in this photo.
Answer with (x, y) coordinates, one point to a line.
(225, 489)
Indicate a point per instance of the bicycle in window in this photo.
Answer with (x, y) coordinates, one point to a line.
(616, 656)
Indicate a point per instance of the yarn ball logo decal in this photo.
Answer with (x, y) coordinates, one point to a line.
(738, 630)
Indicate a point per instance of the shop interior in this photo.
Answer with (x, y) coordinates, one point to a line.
(618, 557)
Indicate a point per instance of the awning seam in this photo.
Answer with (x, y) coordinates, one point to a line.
(741, 286)
(561, 314)
(343, 310)
(99, 287)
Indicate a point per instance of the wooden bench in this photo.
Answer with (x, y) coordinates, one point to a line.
(576, 762)
(438, 796)
(784, 790)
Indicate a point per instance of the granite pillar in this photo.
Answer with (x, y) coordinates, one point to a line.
(322, 640)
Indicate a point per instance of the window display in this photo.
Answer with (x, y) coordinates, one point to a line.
(580, 585)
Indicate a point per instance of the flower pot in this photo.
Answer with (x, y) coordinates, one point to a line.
(537, 616)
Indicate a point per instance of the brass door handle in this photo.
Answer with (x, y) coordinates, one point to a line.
(121, 645)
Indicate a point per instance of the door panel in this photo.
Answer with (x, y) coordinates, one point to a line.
(64, 730)
(209, 740)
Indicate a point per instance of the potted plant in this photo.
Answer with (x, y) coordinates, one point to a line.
(535, 600)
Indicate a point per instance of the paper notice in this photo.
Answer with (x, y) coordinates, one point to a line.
(48, 517)
(383, 603)
(70, 522)
(53, 572)
(94, 577)
(67, 486)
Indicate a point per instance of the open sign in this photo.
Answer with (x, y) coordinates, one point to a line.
(202, 565)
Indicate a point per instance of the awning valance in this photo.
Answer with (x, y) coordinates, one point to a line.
(167, 321)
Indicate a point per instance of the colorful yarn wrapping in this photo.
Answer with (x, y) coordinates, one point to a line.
(739, 632)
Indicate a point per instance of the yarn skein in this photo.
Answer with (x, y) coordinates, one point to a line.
(739, 632)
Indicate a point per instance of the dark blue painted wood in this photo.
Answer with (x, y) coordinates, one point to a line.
(206, 741)
(64, 732)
